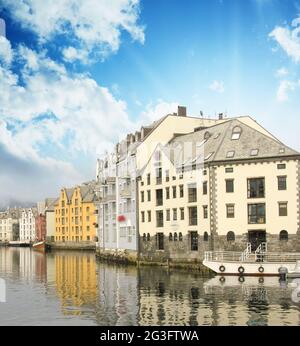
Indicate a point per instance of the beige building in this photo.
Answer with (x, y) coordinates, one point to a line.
(219, 186)
(9, 225)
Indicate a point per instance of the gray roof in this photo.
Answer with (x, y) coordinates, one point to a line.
(219, 144)
(50, 204)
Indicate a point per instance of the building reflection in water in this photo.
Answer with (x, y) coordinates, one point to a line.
(76, 282)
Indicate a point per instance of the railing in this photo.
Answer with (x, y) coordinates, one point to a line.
(246, 253)
(231, 256)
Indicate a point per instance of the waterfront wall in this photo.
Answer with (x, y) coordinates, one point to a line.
(73, 245)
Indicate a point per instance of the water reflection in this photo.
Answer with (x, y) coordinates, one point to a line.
(65, 288)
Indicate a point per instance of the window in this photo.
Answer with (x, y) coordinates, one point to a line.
(229, 170)
(281, 150)
(180, 236)
(167, 175)
(160, 241)
(174, 214)
(181, 191)
(205, 236)
(170, 236)
(149, 195)
(257, 213)
(158, 176)
(181, 213)
(230, 236)
(148, 179)
(159, 197)
(283, 235)
(204, 188)
(167, 193)
(194, 241)
(174, 191)
(205, 212)
(149, 215)
(236, 133)
(168, 217)
(230, 211)
(148, 236)
(159, 218)
(254, 152)
(282, 183)
(143, 216)
(229, 185)
(175, 236)
(256, 188)
(192, 193)
(282, 206)
(142, 196)
(230, 154)
(281, 166)
(193, 216)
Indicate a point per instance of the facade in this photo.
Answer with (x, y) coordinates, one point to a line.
(75, 218)
(219, 187)
(116, 176)
(9, 225)
(50, 218)
(27, 224)
(40, 227)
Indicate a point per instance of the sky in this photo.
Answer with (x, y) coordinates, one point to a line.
(77, 75)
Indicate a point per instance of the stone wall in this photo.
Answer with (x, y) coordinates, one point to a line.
(273, 242)
(174, 251)
(69, 245)
(117, 256)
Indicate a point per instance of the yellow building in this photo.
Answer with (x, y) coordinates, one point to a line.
(75, 215)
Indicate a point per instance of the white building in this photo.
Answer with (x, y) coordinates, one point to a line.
(27, 224)
(9, 225)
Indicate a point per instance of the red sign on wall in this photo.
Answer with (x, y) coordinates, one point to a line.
(121, 218)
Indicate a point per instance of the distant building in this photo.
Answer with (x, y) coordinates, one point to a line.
(9, 225)
(50, 218)
(27, 224)
(75, 218)
(40, 227)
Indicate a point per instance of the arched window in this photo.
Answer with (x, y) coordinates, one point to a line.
(205, 236)
(144, 237)
(175, 236)
(236, 133)
(207, 135)
(148, 236)
(170, 236)
(180, 236)
(283, 235)
(230, 236)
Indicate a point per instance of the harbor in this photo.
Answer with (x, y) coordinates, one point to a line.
(73, 288)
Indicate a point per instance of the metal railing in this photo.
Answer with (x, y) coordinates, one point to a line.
(246, 253)
(231, 256)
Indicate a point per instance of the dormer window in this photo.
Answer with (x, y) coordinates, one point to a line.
(254, 152)
(207, 135)
(230, 154)
(236, 133)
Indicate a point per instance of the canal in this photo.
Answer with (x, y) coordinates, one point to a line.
(72, 288)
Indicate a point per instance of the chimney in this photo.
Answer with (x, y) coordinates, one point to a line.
(220, 116)
(181, 111)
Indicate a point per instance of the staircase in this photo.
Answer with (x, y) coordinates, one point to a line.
(245, 255)
(260, 252)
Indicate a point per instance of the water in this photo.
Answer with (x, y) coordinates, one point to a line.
(72, 288)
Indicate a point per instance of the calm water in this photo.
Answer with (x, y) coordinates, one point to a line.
(72, 288)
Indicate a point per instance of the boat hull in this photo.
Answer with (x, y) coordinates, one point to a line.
(40, 246)
(19, 243)
(253, 268)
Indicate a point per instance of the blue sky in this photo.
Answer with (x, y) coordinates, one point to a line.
(77, 75)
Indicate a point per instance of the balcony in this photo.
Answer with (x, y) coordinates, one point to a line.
(125, 193)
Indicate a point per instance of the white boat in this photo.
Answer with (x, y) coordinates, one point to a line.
(257, 263)
(17, 243)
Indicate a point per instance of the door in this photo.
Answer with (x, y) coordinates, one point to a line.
(256, 237)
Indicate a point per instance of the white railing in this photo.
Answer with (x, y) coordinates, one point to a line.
(260, 252)
(231, 256)
(246, 253)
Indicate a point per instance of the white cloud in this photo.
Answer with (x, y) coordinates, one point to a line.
(71, 54)
(6, 53)
(217, 86)
(156, 111)
(284, 88)
(282, 72)
(288, 39)
(90, 25)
